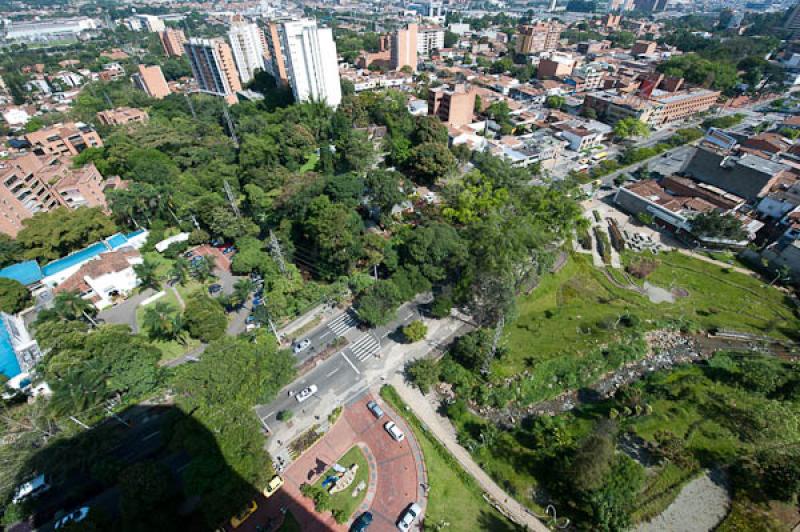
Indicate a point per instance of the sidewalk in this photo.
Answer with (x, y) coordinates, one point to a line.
(444, 432)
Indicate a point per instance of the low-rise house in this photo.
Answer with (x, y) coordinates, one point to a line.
(105, 278)
(745, 175)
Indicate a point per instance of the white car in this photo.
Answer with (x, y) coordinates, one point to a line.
(301, 346)
(394, 431)
(73, 517)
(408, 517)
(305, 393)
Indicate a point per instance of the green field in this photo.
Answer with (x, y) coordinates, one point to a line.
(344, 500)
(454, 496)
(563, 329)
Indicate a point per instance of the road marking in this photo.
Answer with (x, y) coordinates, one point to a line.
(332, 372)
(151, 435)
(350, 362)
(410, 315)
(325, 335)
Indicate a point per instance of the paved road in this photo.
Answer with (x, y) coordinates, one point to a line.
(444, 432)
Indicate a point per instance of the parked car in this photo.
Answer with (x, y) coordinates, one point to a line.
(241, 517)
(375, 409)
(394, 431)
(31, 488)
(214, 288)
(305, 393)
(408, 517)
(75, 516)
(362, 522)
(301, 345)
(272, 486)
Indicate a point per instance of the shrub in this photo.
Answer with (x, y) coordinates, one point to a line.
(321, 498)
(285, 415)
(642, 268)
(415, 331)
(442, 306)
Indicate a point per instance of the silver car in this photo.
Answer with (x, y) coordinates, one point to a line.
(394, 431)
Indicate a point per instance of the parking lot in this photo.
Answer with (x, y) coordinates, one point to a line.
(396, 478)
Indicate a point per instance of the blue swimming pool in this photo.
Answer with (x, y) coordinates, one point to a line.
(76, 258)
(8, 359)
(117, 240)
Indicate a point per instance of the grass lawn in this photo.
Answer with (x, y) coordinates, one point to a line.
(310, 163)
(454, 496)
(173, 349)
(344, 500)
(564, 323)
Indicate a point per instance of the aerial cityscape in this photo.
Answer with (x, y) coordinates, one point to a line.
(375, 265)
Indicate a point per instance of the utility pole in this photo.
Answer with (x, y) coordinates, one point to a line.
(191, 107)
(277, 254)
(79, 422)
(498, 331)
(196, 223)
(231, 129)
(231, 198)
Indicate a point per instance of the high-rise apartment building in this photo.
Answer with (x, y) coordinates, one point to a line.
(149, 23)
(213, 67)
(247, 45)
(31, 184)
(275, 57)
(429, 39)
(539, 37)
(454, 107)
(151, 80)
(793, 21)
(404, 48)
(172, 40)
(308, 57)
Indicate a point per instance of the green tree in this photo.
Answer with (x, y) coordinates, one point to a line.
(14, 297)
(163, 322)
(713, 224)
(431, 162)
(415, 331)
(179, 272)
(555, 102)
(334, 231)
(630, 127)
(378, 304)
(147, 274)
(71, 306)
(10, 251)
(204, 318)
(148, 496)
(54, 234)
(423, 372)
(354, 152)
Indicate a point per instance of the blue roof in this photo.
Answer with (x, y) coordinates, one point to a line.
(9, 366)
(27, 272)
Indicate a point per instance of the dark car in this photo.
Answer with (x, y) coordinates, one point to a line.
(362, 523)
(214, 288)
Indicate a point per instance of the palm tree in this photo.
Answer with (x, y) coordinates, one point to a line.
(147, 274)
(204, 268)
(71, 306)
(180, 271)
(242, 290)
(161, 322)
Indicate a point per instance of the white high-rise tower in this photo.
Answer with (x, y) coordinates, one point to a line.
(311, 61)
(247, 45)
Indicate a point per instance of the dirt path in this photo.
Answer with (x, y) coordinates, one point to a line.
(699, 507)
(444, 432)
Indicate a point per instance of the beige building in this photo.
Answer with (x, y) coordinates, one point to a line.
(643, 48)
(64, 139)
(121, 116)
(660, 108)
(455, 106)
(556, 67)
(404, 48)
(151, 80)
(172, 40)
(539, 37)
(30, 184)
(214, 68)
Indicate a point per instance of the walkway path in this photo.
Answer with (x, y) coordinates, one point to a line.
(716, 262)
(444, 432)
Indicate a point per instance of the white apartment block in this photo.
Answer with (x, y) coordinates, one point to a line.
(429, 39)
(311, 62)
(247, 45)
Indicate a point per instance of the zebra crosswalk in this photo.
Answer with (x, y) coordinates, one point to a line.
(341, 324)
(364, 347)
